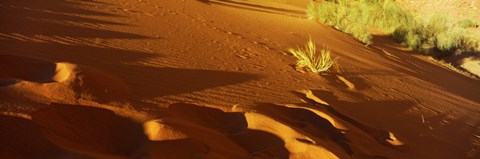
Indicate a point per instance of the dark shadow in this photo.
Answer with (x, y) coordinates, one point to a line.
(458, 84)
(93, 2)
(22, 20)
(306, 121)
(172, 81)
(15, 67)
(438, 132)
(38, 14)
(57, 6)
(370, 111)
(145, 82)
(175, 149)
(254, 7)
(216, 119)
(98, 132)
(158, 81)
(7, 82)
(260, 144)
(230, 126)
(93, 132)
(21, 138)
(89, 58)
(89, 129)
(452, 132)
(77, 54)
(55, 18)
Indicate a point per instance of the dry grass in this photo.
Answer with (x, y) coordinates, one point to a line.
(308, 57)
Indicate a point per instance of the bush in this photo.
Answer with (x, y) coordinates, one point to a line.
(309, 57)
(467, 23)
(356, 17)
(436, 33)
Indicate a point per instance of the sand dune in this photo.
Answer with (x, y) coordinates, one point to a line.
(189, 131)
(213, 79)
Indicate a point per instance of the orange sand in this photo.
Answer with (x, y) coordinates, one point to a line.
(212, 79)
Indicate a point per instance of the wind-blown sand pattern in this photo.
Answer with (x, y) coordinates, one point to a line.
(212, 79)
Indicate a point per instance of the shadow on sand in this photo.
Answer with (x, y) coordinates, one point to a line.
(429, 72)
(254, 7)
(52, 19)
(56, 130)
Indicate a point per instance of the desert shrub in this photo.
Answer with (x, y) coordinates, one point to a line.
(467, 23)
(356, 17)
(309, 57)
(336, 15)
(436, 33)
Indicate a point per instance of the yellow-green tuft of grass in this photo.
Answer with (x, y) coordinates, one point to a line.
(308, 57)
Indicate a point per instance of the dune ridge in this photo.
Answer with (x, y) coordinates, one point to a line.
(189, 131)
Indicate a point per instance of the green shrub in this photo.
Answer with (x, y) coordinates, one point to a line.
(467, 23)
(309, 57)
(436, 33)
(356, 17)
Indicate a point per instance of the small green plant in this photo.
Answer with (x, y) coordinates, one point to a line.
(309, 57)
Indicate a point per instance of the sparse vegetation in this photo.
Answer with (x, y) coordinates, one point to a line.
(467, 23)
(357, 17)
(436, 33)
(309, 57)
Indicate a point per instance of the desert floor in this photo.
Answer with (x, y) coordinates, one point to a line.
(213, 79)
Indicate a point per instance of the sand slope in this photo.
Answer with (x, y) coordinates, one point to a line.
(212, 79)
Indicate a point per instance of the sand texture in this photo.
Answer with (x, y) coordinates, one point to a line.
(212, 79)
